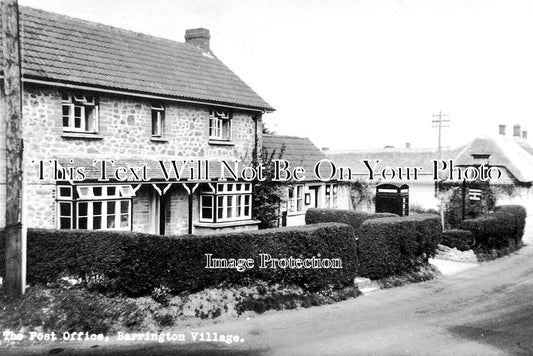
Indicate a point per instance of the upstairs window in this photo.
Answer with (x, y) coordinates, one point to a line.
(219, 125)
(158, 120)
(80, 113)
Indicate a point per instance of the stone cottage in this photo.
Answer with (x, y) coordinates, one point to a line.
(98, 98)
(310, 192)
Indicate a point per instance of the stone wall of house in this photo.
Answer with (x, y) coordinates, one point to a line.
(142, 220)
(124, 131)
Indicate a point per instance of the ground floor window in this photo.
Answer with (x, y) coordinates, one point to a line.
(95, 207)
(331, 195)
(226, 202)
(296, 198)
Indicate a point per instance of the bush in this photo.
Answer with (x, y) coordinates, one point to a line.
(396, 245)
(515, 216)
(136, 263)
(350, 217)
(460, 239)
(500, 229)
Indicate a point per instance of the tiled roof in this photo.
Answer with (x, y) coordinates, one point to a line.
(512, 153)
(299, 151)
(62, 49)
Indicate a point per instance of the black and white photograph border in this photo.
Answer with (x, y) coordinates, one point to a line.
(282, 177)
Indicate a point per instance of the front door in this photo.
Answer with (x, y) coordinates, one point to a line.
(159, 212)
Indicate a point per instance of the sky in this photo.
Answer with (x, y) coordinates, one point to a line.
(358, 74)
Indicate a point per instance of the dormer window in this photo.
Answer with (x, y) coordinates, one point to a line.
(219, 125)
(80, 113)
(158, 120)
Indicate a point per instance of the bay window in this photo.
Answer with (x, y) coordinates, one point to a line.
(95, 207)
(226, 202)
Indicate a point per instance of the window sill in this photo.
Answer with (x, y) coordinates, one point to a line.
(226, 223)
(221, 142)
(295, 213)
(158, 139)
(82, 135)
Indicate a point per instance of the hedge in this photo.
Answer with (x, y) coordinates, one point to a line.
(502, 228)
(350, 217)
(135, 263)
(396, 245)
(460, 239)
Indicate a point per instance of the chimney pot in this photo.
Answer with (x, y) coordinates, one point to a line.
(199, 37)
(502, 130)
(524, 135)
(516, 130)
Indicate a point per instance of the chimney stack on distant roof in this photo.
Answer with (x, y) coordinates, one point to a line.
(524, 135)
(198, 37)
(408, 145)
(502, 129)
(516, 130)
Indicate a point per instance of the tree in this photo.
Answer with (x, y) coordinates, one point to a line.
(267, 194)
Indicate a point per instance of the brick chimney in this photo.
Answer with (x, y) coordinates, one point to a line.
(524, 135)
(502, 129)
(198, 37)
(516, 130)
(408, 145)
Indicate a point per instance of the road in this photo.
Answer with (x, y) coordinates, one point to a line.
(487, 310)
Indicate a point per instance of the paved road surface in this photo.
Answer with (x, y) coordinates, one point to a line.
(483, 311)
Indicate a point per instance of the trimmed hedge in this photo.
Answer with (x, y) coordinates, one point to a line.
(350, 217)
(502, 228)
(396, 245)
(462, 240)
(136, 263)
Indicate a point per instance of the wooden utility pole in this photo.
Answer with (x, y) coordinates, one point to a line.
(15, 281)
(440, 123)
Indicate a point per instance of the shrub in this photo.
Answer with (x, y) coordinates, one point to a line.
(350, 217)
(136, 263)
(500, 229)
(473, 208)
(395, 245)
(515, 216)
(460, 239)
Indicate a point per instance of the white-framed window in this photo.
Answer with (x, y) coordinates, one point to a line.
(228, 202)
(219, 125)
(104, 215)
(94, 207)
(80, 113)
(331, 195)
(295, 200)
(158, 120)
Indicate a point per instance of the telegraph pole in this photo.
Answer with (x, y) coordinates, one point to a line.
(440, 123)
(15, 230)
